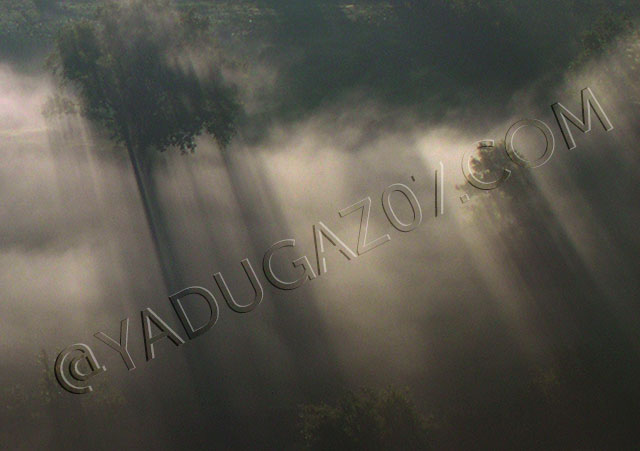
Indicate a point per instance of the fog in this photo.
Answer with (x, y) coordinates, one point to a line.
(507, 286)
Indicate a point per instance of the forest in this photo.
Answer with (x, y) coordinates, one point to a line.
(148, 145)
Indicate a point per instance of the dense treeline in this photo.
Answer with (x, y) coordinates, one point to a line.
(403, 52)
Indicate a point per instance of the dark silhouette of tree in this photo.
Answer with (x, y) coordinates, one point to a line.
(618, 35)
(592, 377)
(132, 71)
(366, 420)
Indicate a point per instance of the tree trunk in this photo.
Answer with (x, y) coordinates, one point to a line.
(159, 240)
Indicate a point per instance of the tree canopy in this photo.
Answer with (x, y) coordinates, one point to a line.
(366, 420)
(133, 69)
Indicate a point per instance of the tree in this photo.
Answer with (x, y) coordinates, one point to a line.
(20, 26)
(132, 70)
(366, 420)
(615, 40)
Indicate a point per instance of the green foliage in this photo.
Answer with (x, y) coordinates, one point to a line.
(602, 35)
(133, 69)
(614, 41)
(366, 420)
(429, 55)
(20, 24)
(27, 27)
